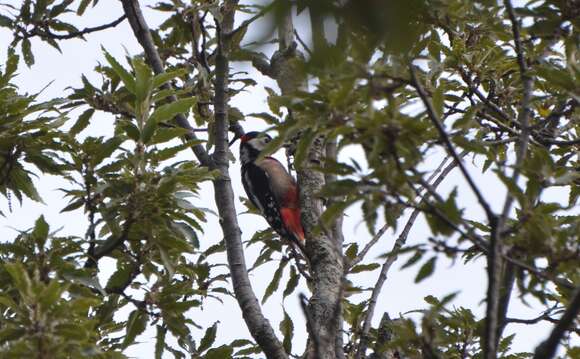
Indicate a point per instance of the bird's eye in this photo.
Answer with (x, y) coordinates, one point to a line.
(266, 139)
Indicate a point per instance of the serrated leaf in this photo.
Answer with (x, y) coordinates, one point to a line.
(22, 182)
(168, 111)
(165, 113)
(287, 330)
(159, 80)
(160, 341)
(27, 52)
(120, 277)
(306, 140)
(124, 75)
(225, 351)
(73, 205)
(364, 267)
(136, 325)
(275, 282)
(51, 293)
(82, 122)
(20, 278)
(143, 79)
(292, 282)
(438, 100)
(208, 338)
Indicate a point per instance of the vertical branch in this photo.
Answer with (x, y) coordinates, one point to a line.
(286, 30)
(493, 321)
(325, 258)
(337, 236)
(258, 325)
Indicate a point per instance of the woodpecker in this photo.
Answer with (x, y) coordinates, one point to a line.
(271, 188)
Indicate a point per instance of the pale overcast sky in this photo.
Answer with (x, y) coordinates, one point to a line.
(399, 295)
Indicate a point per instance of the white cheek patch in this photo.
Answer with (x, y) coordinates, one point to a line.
(258, 143)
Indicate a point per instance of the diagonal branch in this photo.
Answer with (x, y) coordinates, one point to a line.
(449, 146)
(143, 35)
(547, 349)
(393, 256)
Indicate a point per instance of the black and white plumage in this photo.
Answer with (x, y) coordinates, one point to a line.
(271, 188)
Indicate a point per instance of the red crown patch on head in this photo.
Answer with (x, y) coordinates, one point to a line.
(244, 138)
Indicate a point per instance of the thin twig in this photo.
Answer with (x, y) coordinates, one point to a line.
(46, 33)
(450, 149)
(384, 228)
(306, 48)
(394, 254)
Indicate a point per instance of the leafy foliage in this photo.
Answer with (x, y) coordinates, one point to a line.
(403, 82)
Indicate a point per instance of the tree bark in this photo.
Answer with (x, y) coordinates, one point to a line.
(259, 327)
(326, 261)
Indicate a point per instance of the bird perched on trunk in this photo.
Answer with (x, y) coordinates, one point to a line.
(271, 188)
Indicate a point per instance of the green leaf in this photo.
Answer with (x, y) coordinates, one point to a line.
(169, 152)
(126, 77)
(136, 325)
(164, 134)
(73, 205)
(438, 100)
(335, 210)
(5, 21)
(287, 330)
(27, 53)
(20, 278)
(51, 293)
(364, 267)
(160, 341)
(275, 282)
(143, 76)
(167, 262)
(208, 338)
(106, 149)
(40, 232)
(82, 122)
(306, 140)
(22, 182)
(414, 259)
(352, 251)
(121, 276)
(225, 351)
(292, 282)
(426, 269)
(159, 80)
(82, 7)
(168, 111)
(165, 113)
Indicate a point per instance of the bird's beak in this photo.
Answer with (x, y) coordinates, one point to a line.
(236, 137)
